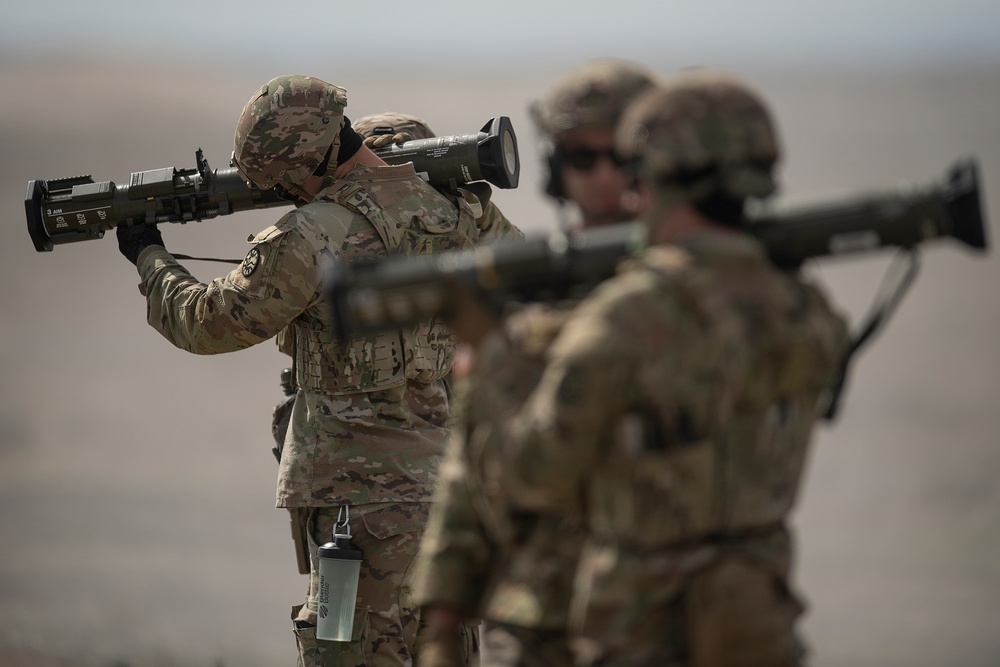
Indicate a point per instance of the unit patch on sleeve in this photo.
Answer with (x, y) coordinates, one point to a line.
(250, 263)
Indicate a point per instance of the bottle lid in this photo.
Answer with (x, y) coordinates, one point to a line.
(340, 548)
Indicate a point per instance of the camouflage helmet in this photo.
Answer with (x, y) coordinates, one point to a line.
(704, 131)
(399, 122)
(287, 130)
(591, 96)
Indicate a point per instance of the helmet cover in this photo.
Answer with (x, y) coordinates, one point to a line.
(287, 130)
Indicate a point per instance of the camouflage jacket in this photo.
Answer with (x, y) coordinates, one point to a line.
(477, 555)
(494, 226)
(674, 411)
(381, 441)
(690, 382)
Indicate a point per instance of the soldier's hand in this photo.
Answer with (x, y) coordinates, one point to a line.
(382, 140)
(132, 240)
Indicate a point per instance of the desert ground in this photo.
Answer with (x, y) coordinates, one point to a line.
(137, 519)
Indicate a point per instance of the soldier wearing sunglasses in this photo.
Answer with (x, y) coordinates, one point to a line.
(577, 120)
(478, 559)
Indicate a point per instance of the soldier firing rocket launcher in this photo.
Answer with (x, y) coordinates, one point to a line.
(78, 209)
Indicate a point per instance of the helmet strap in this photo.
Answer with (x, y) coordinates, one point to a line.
(721, 207)
(350, 142)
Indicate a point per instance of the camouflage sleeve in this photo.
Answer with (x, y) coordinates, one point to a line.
(554, 438)
(831, 326)
(471, 524)
(275, 283)
(453, 562)
(832, 332)
(494, 226)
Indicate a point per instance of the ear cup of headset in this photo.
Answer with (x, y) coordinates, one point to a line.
(554, 185)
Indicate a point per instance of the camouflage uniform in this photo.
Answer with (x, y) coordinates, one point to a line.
(368, 423)
(514, 570)
(676, 407)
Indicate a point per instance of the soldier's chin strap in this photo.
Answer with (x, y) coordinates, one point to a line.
(897, 281)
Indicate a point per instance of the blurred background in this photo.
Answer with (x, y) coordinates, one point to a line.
(137, 520)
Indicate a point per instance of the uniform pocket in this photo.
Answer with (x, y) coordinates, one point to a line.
(739, 615)
(317, 653)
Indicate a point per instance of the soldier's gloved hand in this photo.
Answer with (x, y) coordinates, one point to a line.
(377, 141)
(132, 240)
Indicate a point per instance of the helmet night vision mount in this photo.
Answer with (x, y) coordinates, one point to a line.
(68, 210)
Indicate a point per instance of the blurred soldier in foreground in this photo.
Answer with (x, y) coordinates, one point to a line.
(478, 560)
(676, 404)
(368, 421)
(577, 121)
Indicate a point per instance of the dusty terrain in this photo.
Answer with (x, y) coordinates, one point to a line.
(136, 481)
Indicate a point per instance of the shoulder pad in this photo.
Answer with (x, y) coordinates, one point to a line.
(268, 234)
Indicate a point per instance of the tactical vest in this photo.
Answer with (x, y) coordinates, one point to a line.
(421, 353)
(715, 444)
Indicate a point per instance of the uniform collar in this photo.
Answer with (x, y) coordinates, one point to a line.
(719, 244)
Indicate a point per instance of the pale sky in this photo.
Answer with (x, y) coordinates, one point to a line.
(461, 33)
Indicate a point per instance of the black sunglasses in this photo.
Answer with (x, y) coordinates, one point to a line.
(584, 159)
